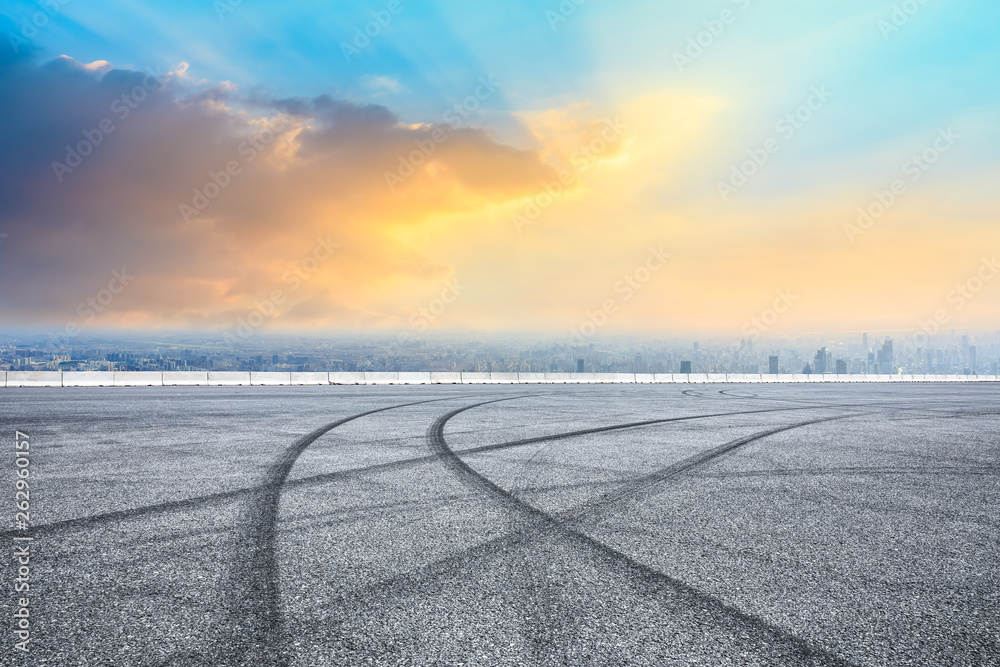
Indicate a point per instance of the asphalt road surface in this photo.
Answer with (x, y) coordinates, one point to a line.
(517, 525)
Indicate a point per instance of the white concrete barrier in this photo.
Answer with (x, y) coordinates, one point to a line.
(138, 378)
(446, 378)
(228, 378)
(381, 377)
(34, 379)
(185, 378)
(414, 378)
(237, 378)
(346, 377)
(270, 379)
(88, 379)
(301, 378)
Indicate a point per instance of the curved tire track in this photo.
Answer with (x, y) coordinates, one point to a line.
(95, 520)
(252, 629)
(535, 517)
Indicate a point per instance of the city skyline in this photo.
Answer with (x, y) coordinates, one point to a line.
(947, 354)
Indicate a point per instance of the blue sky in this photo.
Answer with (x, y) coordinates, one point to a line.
(564, 69)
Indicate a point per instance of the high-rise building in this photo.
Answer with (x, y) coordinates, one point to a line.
(819, 361)
(579, 365)
(885, 358)
(864, 342)
(685, 367)
(841, 367)
(972, 358)
(772, 365)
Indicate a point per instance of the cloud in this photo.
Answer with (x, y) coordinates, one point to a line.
(381, 84)
(211, 196)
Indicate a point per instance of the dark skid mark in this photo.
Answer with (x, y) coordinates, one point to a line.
(252, 631)
(199, 502)
(720, 611)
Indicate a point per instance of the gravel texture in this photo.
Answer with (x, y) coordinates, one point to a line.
(510, 525)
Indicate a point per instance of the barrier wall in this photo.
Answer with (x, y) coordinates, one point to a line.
(233, 379)
(184, 378)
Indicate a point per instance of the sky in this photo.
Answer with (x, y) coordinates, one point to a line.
(574, 168)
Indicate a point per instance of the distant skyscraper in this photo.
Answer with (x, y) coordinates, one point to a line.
(885, 358)
(864, 341)
(819, 361)
(579, 365)
(772, 365)
(972, 358)
(841, 367)
(696, 346)
(685, 367)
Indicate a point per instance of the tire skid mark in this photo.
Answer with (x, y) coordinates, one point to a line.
(731, 393)
(200, 502)
(640, 487)
(644, 574)
(252, 630)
